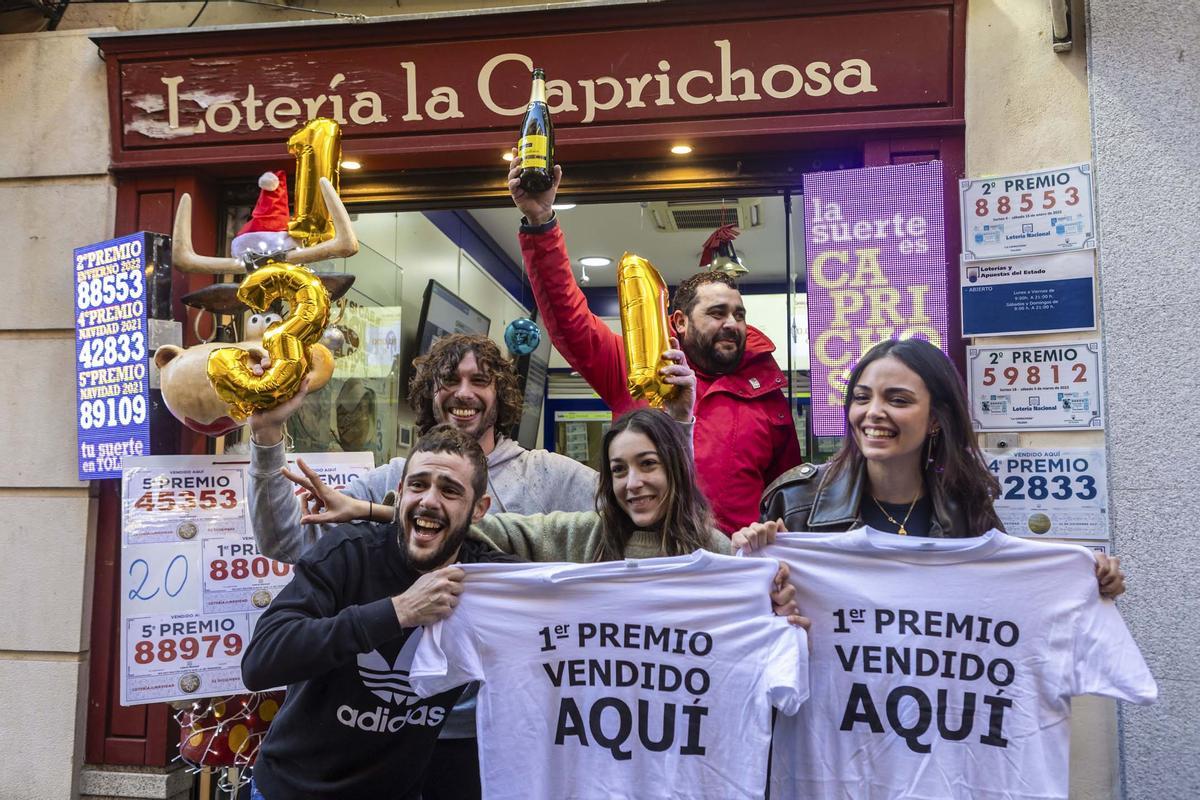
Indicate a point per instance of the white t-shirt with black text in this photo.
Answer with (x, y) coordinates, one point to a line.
(648, 679)
(944, 668)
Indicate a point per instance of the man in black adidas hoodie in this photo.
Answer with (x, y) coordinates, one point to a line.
(342, 634)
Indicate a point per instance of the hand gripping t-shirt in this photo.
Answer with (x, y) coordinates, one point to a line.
(647, 678)
(944, 668)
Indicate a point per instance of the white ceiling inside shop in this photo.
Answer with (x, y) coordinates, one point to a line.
(610, 229)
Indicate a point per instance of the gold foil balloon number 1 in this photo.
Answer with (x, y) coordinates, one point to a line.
(318, 151)
(643, 297)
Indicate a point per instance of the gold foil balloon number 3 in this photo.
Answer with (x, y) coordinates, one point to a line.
(317, 148)
(288, 343)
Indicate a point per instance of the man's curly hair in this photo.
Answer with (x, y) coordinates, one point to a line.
(440, 365)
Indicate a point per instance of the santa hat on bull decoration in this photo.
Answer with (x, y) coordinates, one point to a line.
(267, 230)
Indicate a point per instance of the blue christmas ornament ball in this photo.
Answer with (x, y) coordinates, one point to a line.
(522, 336)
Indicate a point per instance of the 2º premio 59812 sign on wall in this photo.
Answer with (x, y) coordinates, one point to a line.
(1039, 387)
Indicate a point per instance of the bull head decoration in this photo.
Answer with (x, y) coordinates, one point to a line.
(213, 388)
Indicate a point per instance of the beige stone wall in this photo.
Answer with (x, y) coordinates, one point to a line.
(1028, 108)
(55, 193)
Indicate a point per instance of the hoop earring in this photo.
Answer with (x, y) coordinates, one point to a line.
(930, 444)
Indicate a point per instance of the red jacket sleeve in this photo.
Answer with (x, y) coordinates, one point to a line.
(588, 345)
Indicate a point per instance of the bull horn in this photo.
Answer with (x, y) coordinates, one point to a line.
(344, 242)
(185, 259)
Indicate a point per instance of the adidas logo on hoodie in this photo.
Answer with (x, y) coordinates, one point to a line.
(389, 682)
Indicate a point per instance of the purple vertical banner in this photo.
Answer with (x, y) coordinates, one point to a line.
(876, 254)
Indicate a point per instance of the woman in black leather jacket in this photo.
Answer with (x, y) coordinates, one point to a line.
(909, 463)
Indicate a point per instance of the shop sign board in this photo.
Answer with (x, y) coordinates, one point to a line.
(193, 582)
(1027, 214)
(875, 250)
(1054, 494)
(112, 382)
(1036, 294)
(245, 90)
(1044, 386)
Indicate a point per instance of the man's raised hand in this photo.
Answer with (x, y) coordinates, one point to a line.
(322, 503)
(538, 207)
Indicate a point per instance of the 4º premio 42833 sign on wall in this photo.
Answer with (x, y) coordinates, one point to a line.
(1054, 494)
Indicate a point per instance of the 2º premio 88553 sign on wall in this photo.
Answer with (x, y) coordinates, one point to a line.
(1038, 387)
(1047, 211)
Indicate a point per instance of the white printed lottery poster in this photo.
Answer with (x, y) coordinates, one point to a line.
(1047, 386)
(193, 582)
(1057, 493)
(1028, 214)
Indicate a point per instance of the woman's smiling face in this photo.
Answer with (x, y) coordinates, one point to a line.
(640, 480)
(890, 412)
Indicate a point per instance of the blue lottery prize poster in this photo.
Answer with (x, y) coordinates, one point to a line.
(112, 376)
(1039, 294)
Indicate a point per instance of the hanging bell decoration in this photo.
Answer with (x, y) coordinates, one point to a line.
(718, 253)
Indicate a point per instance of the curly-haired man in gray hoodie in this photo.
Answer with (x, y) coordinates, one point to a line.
(463, 380)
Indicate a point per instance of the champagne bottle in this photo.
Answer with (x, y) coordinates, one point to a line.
(536, 145)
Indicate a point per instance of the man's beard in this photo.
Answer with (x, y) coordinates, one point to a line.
(703, 355)
(439, 557)
(487, 419)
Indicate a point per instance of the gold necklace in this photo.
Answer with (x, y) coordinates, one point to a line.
(898, 523)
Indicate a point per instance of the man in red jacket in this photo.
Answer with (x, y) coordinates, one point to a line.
(744, 437)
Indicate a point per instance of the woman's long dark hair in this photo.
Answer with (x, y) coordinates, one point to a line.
(687, 525)
(955, 468)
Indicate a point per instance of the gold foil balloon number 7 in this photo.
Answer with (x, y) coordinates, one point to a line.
(643, 297)
(288, 343)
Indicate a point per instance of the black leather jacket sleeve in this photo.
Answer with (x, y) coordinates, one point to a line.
(790, 497)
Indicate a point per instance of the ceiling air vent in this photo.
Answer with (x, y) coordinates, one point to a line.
(709, 216)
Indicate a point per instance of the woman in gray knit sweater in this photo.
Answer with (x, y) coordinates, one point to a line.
(647, 504)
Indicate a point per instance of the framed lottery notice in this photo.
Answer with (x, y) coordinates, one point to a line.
(1040, 294)
(193, 582)
(1052, 494)
(1036, 387)
(1047, 211)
